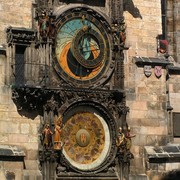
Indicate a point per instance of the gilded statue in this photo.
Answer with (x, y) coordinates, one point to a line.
(120, 141)
(128, 139)
(57, 132)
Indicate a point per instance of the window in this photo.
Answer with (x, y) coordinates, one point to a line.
(176, 124)
(163, 14)
(19, 65)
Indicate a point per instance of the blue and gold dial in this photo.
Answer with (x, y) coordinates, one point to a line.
(82, 49)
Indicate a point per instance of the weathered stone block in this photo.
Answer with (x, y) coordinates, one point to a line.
(157, 130)
(13, 165)
(142, 90)
(2, 174)
(137, 114)
(156, 114)
(172, 166)
(130, 97)
(18, 138)
(32, 175)
(137, 151)
(34, 128)
(138, 177)
(34, 139)
(31, 146)
(137, 162)
(25, 128)
(9, 127)
(153, 105)
(151, 140)
(139, 105)
(31, 164)
(139, 140)
(31, 155)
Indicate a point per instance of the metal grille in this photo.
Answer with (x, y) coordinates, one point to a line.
(19, 68)
(26, 74)
(30, 69)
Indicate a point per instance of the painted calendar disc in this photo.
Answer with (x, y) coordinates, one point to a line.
(87, 140)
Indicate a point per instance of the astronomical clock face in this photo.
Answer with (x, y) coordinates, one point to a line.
(82, 49)
(87, 138)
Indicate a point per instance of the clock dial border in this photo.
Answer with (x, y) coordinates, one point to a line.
(104, 69)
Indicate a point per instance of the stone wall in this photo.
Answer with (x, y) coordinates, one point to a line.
(146, 97)
(15, 129)
(142, 33)
(173, 28)
(16, 13)
(174, 90)
(174, 97)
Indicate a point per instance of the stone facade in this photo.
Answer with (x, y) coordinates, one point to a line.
(147, 97)
(173, 27)
(15, 129)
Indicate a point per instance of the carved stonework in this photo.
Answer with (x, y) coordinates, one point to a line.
(63, 101)
(37, 99)
(46, 25)
(20, 36)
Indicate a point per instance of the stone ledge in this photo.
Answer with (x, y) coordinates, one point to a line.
(2, 50)
(163, 154)
(153, 61)
(100, 176)
(11, 153)
(174, 70)
(83, 178)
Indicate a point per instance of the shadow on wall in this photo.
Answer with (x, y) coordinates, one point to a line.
(92, 2)
(171, 175)
(129, 6)
(27, 104)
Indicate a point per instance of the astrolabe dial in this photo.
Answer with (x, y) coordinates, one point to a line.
(82, 49)
(87, 140)
(88, 47)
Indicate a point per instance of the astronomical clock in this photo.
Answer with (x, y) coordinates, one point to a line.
(82, 58)
(80, 94)
(89, 73)
(82, 53)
